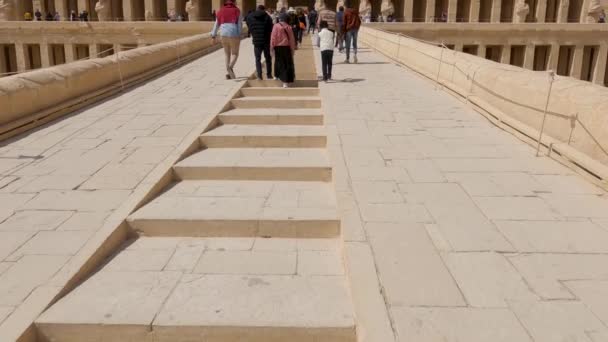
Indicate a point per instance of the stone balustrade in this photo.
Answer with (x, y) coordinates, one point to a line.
(38, 94)
(518, 93)
(32, 45)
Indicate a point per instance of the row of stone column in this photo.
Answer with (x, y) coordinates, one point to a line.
(110, 10)
(575, 66)
(540, 11)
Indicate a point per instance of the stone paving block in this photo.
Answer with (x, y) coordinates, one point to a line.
(53, 182)
(35, 220)
(364, 140)
(5, 311)
(545, 272)
(148, 155)
(594, 293)
(117, 176)
(560, 321)
(458, 324)
(487, 280)
(458, 218)
(247, 262)
(25, 275)
(568, 184)
(140, 260)
(516, 208)
(586, 206)
(84, 221)
(377, 192)
(284, 307)
(4, 266)
(276, 244)
(363, 157)
(555, 236)
(394, 212)
(11, 241)
(52, 243)
(497, 184)
(230, 244)
(379, 173)
(117, 303)
(321, 263)
(187, 254)
(99, 200)
(9, 203)
(410, 269)
(422, 171)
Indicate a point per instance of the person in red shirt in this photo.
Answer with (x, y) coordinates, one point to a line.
(350, 29)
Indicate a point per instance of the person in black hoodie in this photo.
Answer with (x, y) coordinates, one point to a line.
(260, 24)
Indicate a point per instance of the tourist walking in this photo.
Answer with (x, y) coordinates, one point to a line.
(38, 15)
(27, 16)
(283, 44)
(312, 20)
(351, 25)
(329, 16)
(301, 25)
(325, 42)
(339, 32)
(57, 17)
(229, 22)
(260, 26)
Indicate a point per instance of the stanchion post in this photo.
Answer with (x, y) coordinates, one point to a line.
(440, 62)
(542, 126)
(122, 82)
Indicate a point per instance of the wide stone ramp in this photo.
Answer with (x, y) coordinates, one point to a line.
(244, 245)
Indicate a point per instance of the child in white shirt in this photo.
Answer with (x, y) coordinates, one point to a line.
(325, 42)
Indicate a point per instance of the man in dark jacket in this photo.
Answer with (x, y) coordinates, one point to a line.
(350, 28)
(259, 24)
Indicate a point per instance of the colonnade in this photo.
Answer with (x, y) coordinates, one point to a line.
(584, 62)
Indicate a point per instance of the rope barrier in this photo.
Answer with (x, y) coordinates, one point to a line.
(572, 118)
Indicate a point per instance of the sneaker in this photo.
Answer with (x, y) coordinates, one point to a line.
(346, 61)
(285, 85)
(231, 73)
(355, 59)
(276, 78)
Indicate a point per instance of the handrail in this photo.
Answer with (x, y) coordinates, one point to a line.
(572, 118)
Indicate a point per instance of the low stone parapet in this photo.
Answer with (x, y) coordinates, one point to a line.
(577, 110)
(47, 93)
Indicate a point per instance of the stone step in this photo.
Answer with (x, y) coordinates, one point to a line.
(286, 136)
(212, 289)
(277, 83)
(277, 102)
(273, 116)
(288, 92)
(298, 164)
(241, 209)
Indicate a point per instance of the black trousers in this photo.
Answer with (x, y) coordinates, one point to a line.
(327, 57)
(258, 50)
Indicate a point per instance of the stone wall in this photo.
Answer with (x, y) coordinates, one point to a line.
(516, 92)
(25, 96)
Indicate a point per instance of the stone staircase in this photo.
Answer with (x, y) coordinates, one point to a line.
(245, 245)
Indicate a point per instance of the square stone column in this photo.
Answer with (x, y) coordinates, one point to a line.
(600, 65)
(93, 50)
(496, 7)
(45, 55)
(61, 7)
(541, 11)
(149, 6)
(474, 11)
(452, 9)
(430, 10)
(3, 67)
(583, 18)
(127, 10)
(505, 58)
(69, 52)
(21, 53)
(577, 62)
(38, 4)
(84, 5)
(553, 57)
(408, 11)
(216, 4)
(458, 47)
(562, 13)
(481, 51)
(529, 57)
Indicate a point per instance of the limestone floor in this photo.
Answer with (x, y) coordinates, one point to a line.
(60, 182)
(472, 237)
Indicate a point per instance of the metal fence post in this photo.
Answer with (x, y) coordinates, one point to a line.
(122, 82)
(542, 126)
(440, 62)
